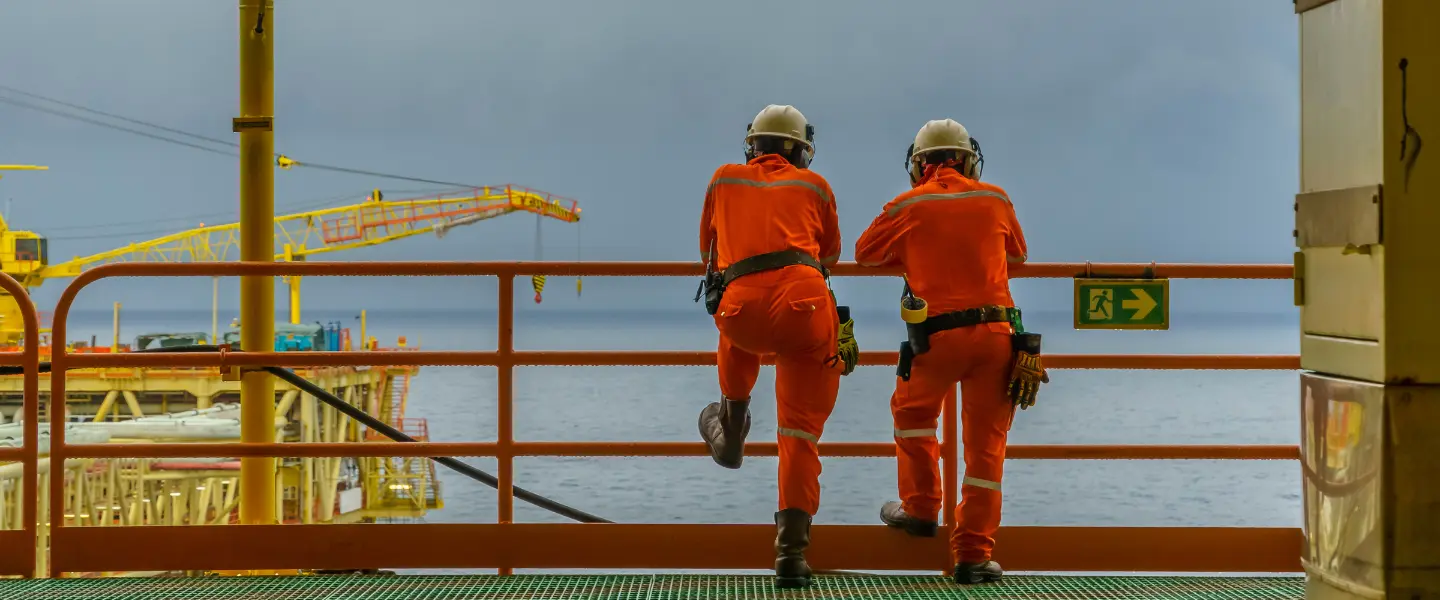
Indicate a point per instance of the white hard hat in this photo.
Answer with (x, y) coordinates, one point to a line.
(943, 134)
(783, 121)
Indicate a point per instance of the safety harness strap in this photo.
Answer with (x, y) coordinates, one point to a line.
(770, 261)
(967, 318)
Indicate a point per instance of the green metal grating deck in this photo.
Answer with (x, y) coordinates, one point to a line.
(637, 587)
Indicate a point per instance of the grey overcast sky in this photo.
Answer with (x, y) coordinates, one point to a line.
(1125, 130)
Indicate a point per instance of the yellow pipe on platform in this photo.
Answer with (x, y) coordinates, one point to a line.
(294, 281)
(257, 244)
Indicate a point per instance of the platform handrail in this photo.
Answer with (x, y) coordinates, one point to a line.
(17, 546)
(1138, 549)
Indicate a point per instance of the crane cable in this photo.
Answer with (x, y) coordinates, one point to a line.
(282, 161)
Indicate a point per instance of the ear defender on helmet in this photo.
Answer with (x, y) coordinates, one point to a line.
(977, 159)
(807, 154)
(912, 166)
(749, 146)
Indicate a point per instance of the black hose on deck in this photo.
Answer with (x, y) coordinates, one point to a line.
(464, 469)
(359, 415)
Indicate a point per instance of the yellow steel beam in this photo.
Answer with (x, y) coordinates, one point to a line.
(257, 244)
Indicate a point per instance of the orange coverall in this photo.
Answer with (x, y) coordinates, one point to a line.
(768, 205)
(955, 238)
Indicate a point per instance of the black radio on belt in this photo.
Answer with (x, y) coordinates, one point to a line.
(714, 287)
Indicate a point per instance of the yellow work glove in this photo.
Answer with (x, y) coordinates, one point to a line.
(1025, 378)
(848, 349)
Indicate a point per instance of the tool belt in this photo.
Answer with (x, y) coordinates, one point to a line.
(967, 318)
(713, 286)
(919, 333)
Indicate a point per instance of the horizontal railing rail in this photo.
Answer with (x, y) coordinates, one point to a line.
(508, 545)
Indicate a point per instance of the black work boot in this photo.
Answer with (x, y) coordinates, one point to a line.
(986, 572)
(723, 426)
(894, 515)
(792, 537)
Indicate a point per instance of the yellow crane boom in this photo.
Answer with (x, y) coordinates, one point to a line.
(299, 235)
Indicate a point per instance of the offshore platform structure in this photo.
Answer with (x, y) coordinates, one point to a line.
(1367, 272)
(197, 404)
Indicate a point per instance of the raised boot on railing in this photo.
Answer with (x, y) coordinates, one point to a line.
(792, 537)
(894, 515)
(723, 426)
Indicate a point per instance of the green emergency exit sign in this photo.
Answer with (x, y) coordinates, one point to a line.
(1122, 303)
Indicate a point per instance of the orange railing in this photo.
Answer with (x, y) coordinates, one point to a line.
(506, 545)
(17, 546)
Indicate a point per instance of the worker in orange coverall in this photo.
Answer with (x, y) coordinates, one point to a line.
(767, 233)
(954, 238)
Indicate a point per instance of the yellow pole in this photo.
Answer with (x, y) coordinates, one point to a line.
(215, 310)
(115, 331)
(364, 341)
(294, 299)
(257, 244)
(294, 282)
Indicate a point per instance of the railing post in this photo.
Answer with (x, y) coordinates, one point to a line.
(505, 402)
(55, 413)
(257, 244)
(30, 412)
(949, 450)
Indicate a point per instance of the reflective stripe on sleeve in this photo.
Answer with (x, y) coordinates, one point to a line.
(779, 183)
(956, 196)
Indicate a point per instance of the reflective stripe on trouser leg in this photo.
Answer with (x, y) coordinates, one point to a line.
(916, 406)
(799, 470)
(796, 433)
(982, 483)
(805, 391)
(986, 415)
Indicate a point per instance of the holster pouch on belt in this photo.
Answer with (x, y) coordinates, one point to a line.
(1025, 342)
(713, 286)
(918, 341)
(907, 356)
(914, 311)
